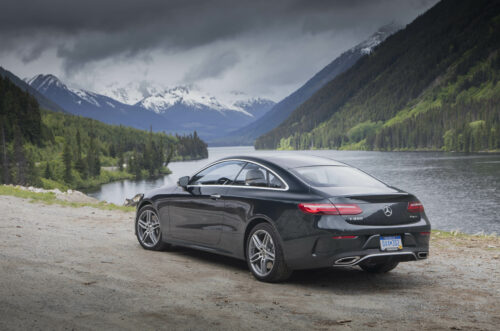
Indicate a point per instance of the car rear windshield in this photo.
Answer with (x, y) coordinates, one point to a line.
(337, 176)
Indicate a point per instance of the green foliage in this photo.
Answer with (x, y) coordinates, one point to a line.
(44, 148)
(422, 87)
(190, 147)
(362, 130)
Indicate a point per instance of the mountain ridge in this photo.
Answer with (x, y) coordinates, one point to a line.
(424, 87)
(42, 100)
(178, 110)
(247, 135)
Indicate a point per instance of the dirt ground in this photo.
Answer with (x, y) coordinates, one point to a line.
(82, 268)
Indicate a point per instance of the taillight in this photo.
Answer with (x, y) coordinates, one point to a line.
(426, 233)
(330, 208)
(415, 207)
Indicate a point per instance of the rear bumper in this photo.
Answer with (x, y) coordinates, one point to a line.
(325, 251)
(400, 256)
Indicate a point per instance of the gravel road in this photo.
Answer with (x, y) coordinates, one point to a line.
(82, 268)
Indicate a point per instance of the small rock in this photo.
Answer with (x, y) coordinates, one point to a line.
(344, 321)
(134, 201)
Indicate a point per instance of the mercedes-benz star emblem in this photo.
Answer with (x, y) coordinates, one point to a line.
(387, 211)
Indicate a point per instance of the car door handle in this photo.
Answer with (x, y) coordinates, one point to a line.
(215, 196)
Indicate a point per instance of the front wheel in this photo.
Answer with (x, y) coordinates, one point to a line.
(265, 255)
(147, 229)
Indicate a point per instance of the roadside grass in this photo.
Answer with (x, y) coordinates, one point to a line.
(458, 234)
(50, 198)
(478, 240)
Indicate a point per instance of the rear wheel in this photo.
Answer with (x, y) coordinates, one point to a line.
(378, 267)
(147, 229)
(265, 254)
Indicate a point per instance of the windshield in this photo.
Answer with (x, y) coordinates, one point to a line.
(337, 176)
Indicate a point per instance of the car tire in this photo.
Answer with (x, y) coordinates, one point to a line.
(150, 240)
(378, 268)
(271, 271)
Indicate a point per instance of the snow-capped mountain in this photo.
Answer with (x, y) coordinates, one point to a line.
(132, 92)
(367, 46)
(96, 106)
(176, 110)
(156, 98)
(279, 112)
(255, 106)
(189, 108)
(42, 100)
(162, 101)
(47, 84)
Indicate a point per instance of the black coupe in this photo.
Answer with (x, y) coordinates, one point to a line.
(282, 213)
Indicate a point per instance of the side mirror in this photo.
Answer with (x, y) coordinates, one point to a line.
(183, 181)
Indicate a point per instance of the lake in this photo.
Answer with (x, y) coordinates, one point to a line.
(459, 191)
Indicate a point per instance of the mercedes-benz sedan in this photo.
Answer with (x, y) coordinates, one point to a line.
(283, 213)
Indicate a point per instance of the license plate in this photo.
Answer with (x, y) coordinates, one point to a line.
(392, 243)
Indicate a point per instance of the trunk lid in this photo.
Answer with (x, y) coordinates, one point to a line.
(381, 208)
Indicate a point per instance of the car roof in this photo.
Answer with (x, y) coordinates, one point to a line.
(290, 161)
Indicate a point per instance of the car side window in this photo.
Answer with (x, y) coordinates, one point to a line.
(255, 175)
(274, 181)
(222, 173)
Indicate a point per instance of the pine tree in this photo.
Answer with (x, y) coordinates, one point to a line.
(91, 162)
(20, 169)
(80, 165)
(97, 164)
(67, 158)
(48, 172)
(5, 161)
(120, 160)
(148, 162)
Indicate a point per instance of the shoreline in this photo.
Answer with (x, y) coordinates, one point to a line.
(54, 197)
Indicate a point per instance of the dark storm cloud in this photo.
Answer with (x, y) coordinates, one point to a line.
(213, 66)
(92, 30)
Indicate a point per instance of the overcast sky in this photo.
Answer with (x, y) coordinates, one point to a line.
(263, 48)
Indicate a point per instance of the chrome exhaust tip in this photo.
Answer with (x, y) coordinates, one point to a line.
(347, 260)
(422, 255)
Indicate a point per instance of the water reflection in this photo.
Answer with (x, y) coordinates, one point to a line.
(459, 191)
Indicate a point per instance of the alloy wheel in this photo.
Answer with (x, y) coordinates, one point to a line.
(261, 252)
(148, 228)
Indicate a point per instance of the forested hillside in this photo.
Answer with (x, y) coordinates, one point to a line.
(432, 86)
(49, 149)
